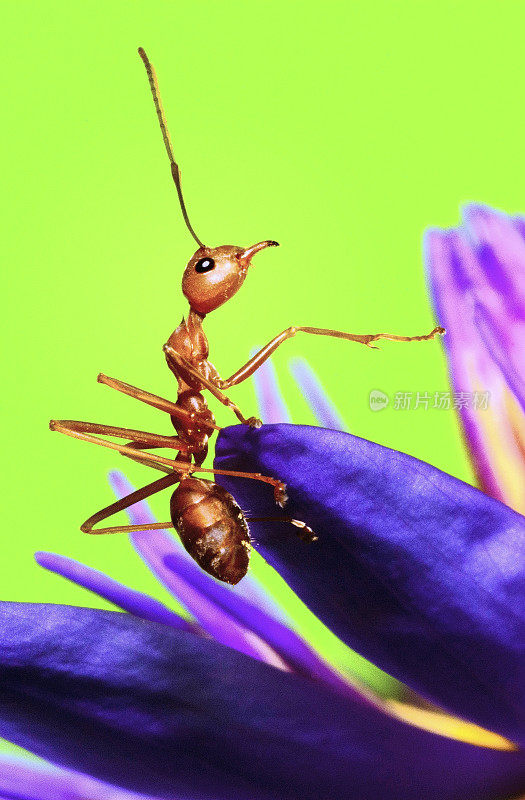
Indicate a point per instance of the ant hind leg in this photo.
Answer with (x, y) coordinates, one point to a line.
(85, 431)
(130, 500)
(140, 460)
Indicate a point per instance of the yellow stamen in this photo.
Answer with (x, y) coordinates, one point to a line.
(447, 725)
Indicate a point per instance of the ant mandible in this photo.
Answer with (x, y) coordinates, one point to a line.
(211, 525)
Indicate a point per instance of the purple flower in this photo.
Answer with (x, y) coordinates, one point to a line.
(477, 275)
(416, 570)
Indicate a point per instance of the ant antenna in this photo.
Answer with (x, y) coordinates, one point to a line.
(175, 171)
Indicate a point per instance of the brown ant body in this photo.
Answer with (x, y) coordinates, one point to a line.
(210, 524)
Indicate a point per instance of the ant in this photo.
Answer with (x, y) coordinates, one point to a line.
(211, 525)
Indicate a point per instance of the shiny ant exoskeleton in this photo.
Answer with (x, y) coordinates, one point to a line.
(211, 525)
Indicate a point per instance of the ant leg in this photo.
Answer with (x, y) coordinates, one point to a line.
(163, 483)
(201, 455)
(304, 532)
(259, 358)
(75, 429)
(130, 500)
(139, 460)
(154, 400)
(142, 437)
(71, 428)
(180, 361)
(279, 488)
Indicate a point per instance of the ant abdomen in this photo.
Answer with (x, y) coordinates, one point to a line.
(212, 528)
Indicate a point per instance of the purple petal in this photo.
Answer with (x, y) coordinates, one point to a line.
(296, 653)
(322, 407)
(153, 547)
(492, 434)
(477, 278)
(272, 407)
(493, 334)
(22, 779)
(137, 603)
(497, 280)
(164, 712)
(417, 571)
(501, 248)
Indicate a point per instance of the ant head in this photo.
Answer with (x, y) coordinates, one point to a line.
(214, 274)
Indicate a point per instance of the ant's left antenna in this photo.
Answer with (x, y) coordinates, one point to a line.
(175, 171)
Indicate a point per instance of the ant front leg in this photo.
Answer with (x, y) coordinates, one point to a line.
(304, 532)
(259, 358)
(179, 361)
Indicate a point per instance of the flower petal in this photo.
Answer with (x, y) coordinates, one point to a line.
(499, 242)
(164, 712)
(21, 779)
(477, 277)
(270, 402)
(322, 407)
(417, 571)
(282, 639)
(137, 603)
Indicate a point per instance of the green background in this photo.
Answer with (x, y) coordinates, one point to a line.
(343, 130)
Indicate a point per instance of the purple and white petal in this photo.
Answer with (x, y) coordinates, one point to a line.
(477, 277)
(320, 404)
(270, 401)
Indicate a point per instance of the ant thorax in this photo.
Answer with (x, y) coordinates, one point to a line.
(189, 340)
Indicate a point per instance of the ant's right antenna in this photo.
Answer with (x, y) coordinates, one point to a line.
(175, 171)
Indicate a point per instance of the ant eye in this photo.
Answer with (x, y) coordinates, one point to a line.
(204, 265)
